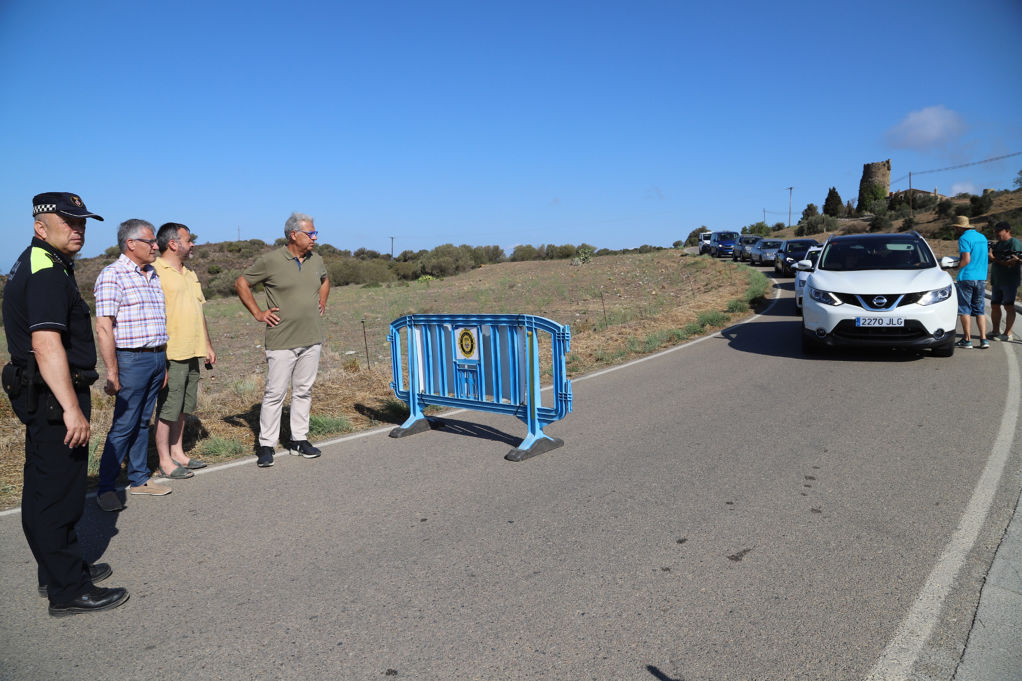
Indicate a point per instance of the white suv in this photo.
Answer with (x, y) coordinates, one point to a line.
(881, 290)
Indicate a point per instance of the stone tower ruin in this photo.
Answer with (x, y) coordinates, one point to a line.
(875, 183)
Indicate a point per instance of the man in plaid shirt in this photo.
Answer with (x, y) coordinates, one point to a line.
(131, 327)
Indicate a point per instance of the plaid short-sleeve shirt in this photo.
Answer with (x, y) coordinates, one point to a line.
(132, 295)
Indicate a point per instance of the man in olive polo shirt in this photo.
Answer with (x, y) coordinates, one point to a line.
(296, 285)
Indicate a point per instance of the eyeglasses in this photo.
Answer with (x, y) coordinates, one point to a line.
(311, 234)
(151, 242)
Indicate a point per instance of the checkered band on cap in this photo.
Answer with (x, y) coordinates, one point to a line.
(44, 208)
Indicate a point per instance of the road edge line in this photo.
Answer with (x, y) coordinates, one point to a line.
(905, 647)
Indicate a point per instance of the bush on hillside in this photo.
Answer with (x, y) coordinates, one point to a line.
(523, 252)
(693, 236)
(759, 228)
(978, 205)
(817, 224)
(880, 223)
(809, 211)
(945, 208)
(221, 285)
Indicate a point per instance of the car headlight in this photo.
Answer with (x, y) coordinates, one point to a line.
(825, 297)
(936, 296)
(790, 259)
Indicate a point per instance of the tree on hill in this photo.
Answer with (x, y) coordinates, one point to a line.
(1018, 180)
(849, 208)
(759, 228)
(810, 211)
(693, 236)
(833, 205)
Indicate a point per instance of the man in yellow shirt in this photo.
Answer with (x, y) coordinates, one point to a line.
(188, 342)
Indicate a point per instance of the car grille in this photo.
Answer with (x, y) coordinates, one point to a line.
(913, 329)
(894, 300)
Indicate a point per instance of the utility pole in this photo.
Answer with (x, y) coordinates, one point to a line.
(764, 216)
(789, 204)
(239, 232)
(911, 212)
(391, 248)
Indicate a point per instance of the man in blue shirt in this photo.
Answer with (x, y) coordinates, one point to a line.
(972, 278)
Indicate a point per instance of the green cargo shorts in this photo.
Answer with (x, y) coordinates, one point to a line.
(181, 393)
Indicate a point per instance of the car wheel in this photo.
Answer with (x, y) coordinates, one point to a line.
(946, 350)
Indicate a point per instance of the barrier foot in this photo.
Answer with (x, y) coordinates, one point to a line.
(539, 446)
(417, 426)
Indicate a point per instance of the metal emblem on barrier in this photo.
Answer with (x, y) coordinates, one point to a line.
(482, 362)
(467, 344)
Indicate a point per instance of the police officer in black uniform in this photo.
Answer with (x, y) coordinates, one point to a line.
(53, 363)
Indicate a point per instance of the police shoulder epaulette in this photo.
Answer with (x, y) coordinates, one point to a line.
(42, 259)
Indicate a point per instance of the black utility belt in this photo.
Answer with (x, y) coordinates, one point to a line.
(158, 348)
(16, 378)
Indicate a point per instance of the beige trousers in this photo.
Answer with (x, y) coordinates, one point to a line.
(295, 368)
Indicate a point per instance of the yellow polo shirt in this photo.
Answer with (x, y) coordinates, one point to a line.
(184, 300)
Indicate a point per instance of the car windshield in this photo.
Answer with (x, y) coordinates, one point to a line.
(770, 244)
(801, 245)
(813, 256)
(728, 236)
(750, 239)
(877, 254)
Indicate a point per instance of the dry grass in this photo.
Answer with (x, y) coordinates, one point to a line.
(617, 306)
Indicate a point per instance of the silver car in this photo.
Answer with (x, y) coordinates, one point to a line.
(745, 242)
(801, 275)
(763, 251)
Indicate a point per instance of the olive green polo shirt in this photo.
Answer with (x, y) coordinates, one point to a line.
(293, 287)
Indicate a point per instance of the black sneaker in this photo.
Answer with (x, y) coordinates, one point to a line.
(265, 457)
(97, 573)
(304, 448)
(96, 600)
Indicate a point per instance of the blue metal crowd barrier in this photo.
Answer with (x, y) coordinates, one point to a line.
(481, 362)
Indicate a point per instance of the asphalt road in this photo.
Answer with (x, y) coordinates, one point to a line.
(725, 510)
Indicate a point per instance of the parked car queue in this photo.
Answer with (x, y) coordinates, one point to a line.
(865, 290)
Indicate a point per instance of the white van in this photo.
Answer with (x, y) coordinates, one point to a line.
(704, 242)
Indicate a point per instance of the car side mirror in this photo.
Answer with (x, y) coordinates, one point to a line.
(804, 265)
(947, 262)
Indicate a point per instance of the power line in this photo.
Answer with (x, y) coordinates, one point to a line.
(961, 165)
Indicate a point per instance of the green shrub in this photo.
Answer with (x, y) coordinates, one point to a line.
(214, 269)
(328, 425)
(712, 318)
(980, 204)
(945, 208)
(221, 285)
(222, 447)
(758, 286)
(737, 306)
(880, 223)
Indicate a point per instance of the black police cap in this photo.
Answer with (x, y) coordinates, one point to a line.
(63, 203)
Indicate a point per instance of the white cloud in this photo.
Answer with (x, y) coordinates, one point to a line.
(964, 188)
(931, 128)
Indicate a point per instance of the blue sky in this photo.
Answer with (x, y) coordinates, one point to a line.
(613, 123)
